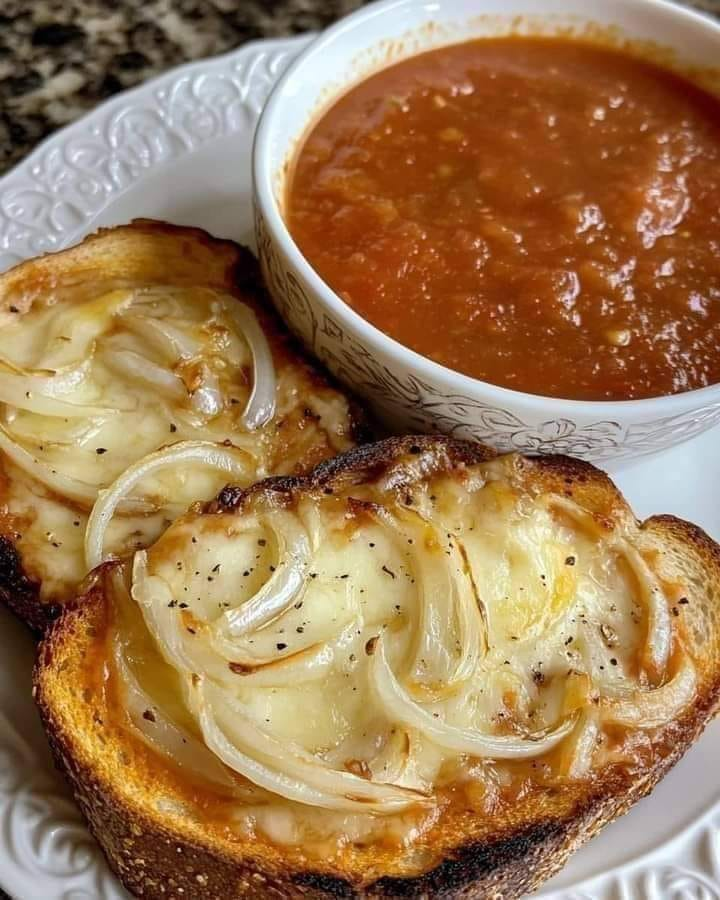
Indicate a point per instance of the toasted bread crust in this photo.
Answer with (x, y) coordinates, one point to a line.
(156, 252)
(518, 851)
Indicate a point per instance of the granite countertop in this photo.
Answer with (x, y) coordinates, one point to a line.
(60, 58)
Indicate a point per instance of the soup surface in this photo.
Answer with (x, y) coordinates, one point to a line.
(539, 213)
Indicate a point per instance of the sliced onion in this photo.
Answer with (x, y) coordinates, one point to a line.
(51, 430)
(108, 501)
(27, 392)
(279, 592)
(161, 733)
(299, 667)
(207, 399)
(445, 618)
(83, 323)
(400, 707)
(79, 492)
(138, 368)
(577, 757)
(394, 764)
(309, 515)
(46, 381)
(170, 340)
(154, 598)
(472, 622)
(285, 768)
(658, 643)
(164, 621)
(651, 709)
(260, 407)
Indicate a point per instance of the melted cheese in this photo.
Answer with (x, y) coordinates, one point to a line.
(556, 620)
(189, 336)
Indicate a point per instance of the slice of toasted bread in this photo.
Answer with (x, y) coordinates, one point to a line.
(597, 666)
(96, 317)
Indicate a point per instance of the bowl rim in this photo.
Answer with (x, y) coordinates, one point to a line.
(450, 380)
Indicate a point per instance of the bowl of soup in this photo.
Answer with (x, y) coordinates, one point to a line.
(502, 220)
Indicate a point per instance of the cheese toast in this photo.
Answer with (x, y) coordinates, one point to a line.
(146, 365)
(422, 670)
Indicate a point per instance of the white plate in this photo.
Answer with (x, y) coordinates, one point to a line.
(178, 148)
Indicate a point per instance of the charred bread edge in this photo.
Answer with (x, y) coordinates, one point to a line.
(145, 855)
(17, 590)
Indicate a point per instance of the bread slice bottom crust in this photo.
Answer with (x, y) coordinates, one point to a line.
(155, 860)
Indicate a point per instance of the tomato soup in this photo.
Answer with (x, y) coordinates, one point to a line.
(539, 213)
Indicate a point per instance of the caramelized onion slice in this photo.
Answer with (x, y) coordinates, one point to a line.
(51, 430)
(73, 489)
(82, 324)
(400, 707)
(50, 406)
(154, 598)
(139, 368)
(161, 733)
(164, 621)
(171, 341)
(658, 644)
(651, 709)
(108, 501)
(449, 614)
(47, 382)
(577, 754)
(282, 589)
(285, 768)
(42, 393)
(260, 407)
(207, 400)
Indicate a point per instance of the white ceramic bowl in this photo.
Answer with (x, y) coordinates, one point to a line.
(406, 389)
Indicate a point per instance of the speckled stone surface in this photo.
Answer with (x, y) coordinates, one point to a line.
(60, 58)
